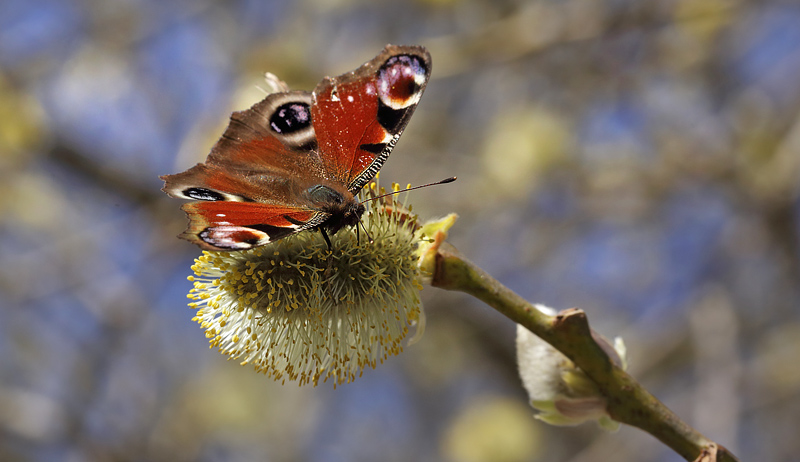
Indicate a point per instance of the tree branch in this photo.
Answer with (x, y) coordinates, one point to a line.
(569, 332)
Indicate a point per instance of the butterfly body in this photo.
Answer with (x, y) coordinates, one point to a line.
(296, 160)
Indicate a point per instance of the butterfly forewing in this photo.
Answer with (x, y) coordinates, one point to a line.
(276, 132)
(359, 116)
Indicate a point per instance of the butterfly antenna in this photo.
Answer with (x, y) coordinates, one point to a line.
(446, 180)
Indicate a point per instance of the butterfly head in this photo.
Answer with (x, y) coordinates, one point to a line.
(344, 209)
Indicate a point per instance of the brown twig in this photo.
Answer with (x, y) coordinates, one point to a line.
(569, 332)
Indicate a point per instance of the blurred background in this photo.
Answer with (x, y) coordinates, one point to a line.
(639, 160)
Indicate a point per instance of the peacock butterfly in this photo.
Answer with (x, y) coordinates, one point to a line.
(296, 160)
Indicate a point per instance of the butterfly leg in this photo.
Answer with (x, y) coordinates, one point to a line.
(327, 239)
(369, 238)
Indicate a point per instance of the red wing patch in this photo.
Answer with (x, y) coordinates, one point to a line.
(242, 225)
(345, 117)
(359, 116)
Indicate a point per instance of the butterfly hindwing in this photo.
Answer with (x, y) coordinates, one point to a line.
(244, 225)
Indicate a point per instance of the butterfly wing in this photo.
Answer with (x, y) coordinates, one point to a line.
(261, 181)
(251, 185)
(243, 225)
(359, 116)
